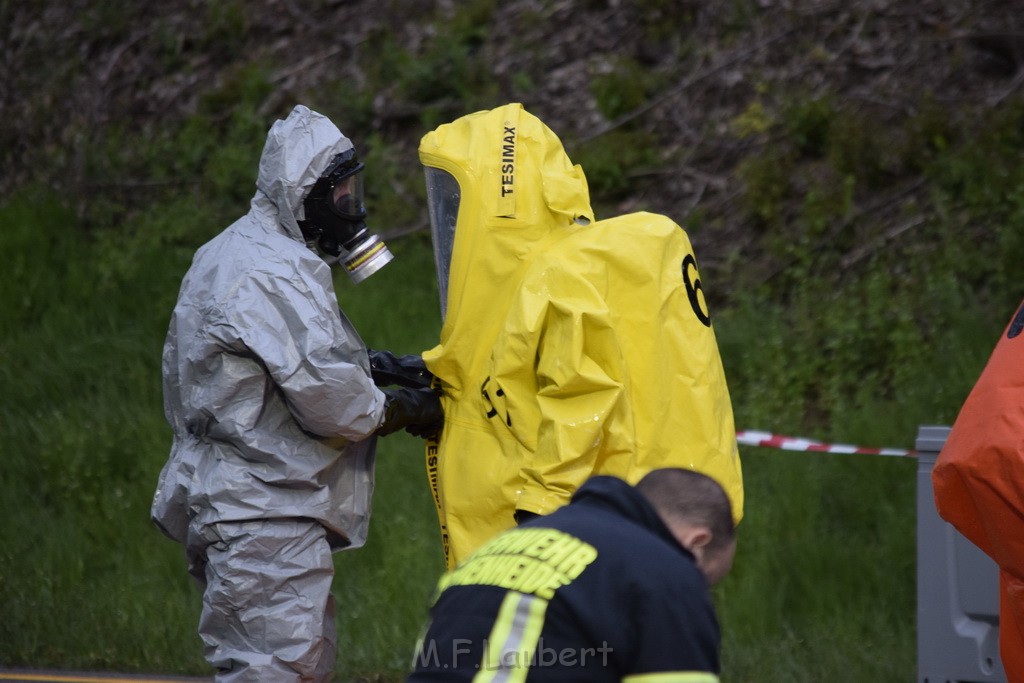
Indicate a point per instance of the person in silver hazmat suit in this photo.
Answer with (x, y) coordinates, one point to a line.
(274, 410)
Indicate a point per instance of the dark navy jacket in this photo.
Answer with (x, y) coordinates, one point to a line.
(599, 590)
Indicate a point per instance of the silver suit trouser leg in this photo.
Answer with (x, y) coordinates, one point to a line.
(268, 613)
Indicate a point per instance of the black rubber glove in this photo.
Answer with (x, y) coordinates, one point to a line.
(406, 371)
(417, 411)
(523, 516)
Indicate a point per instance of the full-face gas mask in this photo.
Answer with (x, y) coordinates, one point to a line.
(336, 219)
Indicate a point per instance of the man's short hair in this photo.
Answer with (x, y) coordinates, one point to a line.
(692, 498)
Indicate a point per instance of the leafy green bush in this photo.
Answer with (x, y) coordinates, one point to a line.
(622, 87)
(447, 75)
(611, 160)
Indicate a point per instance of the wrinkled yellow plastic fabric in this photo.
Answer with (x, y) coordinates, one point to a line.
(505, 217)
(566, 350)
(608, 364)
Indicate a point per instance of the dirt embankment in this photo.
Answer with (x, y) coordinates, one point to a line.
(73, 72)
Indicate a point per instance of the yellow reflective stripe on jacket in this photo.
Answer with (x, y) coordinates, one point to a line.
(513, 641)
(673, 677)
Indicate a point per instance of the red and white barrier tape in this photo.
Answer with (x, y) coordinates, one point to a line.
(789, 443)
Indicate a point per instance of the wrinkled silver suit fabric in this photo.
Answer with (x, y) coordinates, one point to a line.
(267, 385)
(249, 562)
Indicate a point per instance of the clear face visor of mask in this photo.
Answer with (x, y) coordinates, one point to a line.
(348, 198)
(443, 198)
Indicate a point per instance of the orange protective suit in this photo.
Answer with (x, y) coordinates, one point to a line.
(978, 480)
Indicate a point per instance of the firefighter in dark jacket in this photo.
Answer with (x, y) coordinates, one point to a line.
(612, 587)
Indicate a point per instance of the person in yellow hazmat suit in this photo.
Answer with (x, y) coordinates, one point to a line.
(569, 347)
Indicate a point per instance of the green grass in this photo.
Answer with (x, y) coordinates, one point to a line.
(823, 587)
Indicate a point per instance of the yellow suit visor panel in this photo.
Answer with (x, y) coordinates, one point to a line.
(673, 677)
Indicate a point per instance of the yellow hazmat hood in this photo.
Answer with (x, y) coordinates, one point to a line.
(518, 191)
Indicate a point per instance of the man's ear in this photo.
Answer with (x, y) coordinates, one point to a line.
(693, 538)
